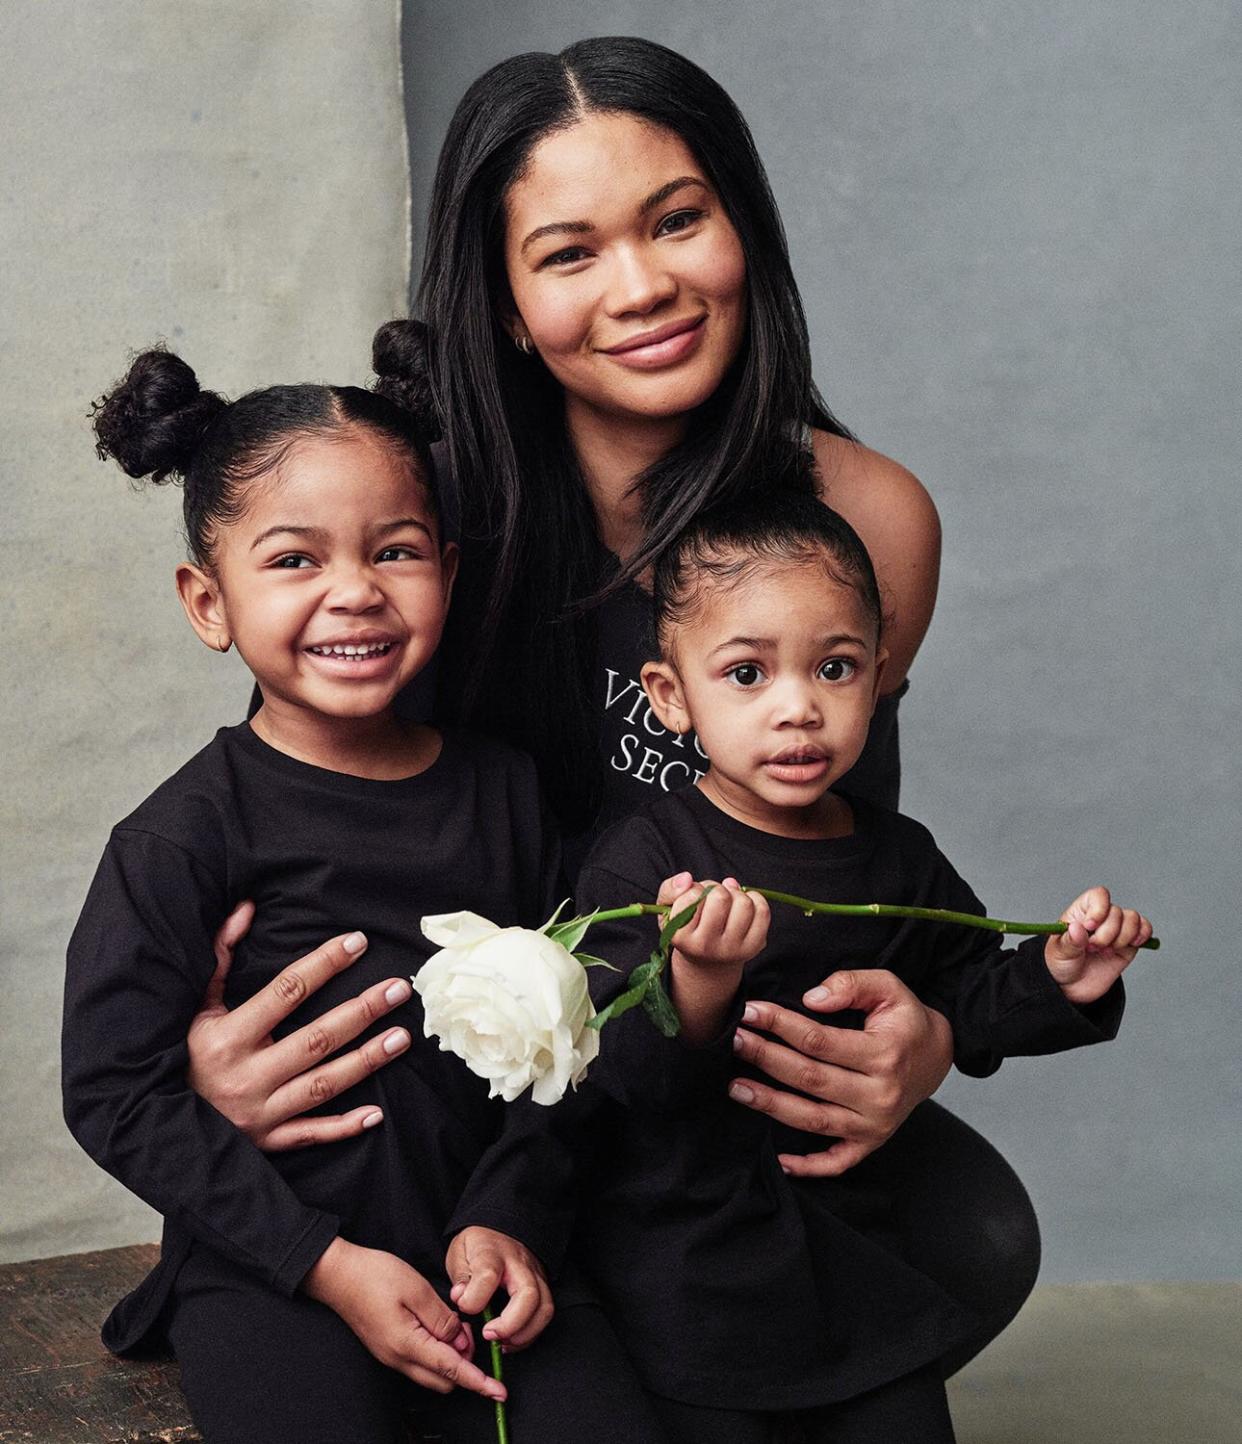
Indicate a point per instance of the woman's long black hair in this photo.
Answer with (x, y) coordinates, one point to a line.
(520, 655)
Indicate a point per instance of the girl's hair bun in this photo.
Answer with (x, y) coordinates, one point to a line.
(151, 423)
(400, 357)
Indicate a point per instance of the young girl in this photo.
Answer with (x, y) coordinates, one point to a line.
(302, 1290)
(746, 1293)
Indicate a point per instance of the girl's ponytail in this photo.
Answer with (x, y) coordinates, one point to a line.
(400, 357)
(151, 422)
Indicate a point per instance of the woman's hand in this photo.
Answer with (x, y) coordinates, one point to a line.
(865, 1083)
(482, 1260)
(399, 1317)
(263, 1086)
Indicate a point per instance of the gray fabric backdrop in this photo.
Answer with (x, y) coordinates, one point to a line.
(1016, 230)
(232, 178)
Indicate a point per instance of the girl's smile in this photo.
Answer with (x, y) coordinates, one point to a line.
(333, 585)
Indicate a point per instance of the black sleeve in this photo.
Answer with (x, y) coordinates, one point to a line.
(138, 966)
(1003, 1002)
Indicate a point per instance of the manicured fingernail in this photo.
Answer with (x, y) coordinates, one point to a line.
(354, 942)
(372, 1119)
(817, 995)
(750, 1014)
(396, 1040)
(397, 993)
(740, 1093)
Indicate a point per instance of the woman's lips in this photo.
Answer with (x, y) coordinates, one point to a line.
(664, 346)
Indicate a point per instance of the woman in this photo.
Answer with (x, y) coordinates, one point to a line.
(615, 340)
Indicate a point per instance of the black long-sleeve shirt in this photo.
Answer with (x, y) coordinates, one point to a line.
(732, 1283)
(320, 853)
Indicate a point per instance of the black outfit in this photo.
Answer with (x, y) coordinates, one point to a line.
(735, 1286)
(317, 851)
(971, 1225)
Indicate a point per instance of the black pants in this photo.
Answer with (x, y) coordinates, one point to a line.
(911, 1410)
(258, 1368)
(966, 1221)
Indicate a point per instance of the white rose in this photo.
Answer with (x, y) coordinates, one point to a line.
(510, 1002)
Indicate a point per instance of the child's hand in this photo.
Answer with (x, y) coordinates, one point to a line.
(709, 952)
(730, 927)
(1098, 946)
(481, 1260)
(399, 1317)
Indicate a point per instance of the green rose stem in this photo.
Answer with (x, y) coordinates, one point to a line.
(502, 1421)
(872, 910)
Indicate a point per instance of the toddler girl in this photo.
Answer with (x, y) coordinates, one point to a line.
(753, 1299)
(304, 1291)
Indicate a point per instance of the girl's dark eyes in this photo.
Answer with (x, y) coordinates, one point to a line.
(837, 669)
(399, 554)
(745, 674)
(292, 560)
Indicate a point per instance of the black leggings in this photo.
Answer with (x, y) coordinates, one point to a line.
(259, 1368)
(911, 1410)
(967, 1221)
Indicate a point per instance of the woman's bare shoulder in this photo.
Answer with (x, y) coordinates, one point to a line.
(891, 510)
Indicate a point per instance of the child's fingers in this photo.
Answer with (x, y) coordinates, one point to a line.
(526, 1315)
(1132, 932)
(476, 1267)
(674, 887)
(1107, 931)
(439, 1366)
(477, 1290)
(435, 1331)
(1089, 907)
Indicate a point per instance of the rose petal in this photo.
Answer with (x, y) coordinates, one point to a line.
(462, 929)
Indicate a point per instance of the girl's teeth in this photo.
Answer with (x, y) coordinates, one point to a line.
(351, 651)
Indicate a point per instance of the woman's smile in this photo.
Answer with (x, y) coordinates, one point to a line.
(665, 346)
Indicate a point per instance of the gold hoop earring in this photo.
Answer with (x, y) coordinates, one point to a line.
(222, 644)
(524, 344)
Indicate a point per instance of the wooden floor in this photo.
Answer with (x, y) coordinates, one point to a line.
(57, 1383)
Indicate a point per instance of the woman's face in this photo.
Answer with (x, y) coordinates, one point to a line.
(624, 270)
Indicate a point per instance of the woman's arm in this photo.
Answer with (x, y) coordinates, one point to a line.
(891, 511)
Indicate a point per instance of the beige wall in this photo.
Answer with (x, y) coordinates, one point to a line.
(232, 178)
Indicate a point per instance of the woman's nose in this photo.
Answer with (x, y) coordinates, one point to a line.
(639, 282)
